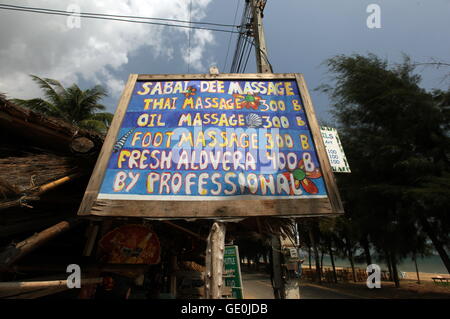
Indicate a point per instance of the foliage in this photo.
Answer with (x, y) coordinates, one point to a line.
(396, 138)
(74, 105)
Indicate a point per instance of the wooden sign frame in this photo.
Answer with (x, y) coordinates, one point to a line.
(92, 206)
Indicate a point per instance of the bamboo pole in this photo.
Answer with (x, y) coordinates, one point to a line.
(184, 229)
(33, 193)
(19, 250)
(23, 285)
(85, 268)
(49, 186)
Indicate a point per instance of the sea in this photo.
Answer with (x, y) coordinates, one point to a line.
(430, 264)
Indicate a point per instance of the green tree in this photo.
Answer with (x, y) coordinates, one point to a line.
(396, 139)
(74, 105)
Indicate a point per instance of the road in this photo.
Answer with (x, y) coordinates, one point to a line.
(258, 286)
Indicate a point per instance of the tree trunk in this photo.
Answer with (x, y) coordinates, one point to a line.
(265, 258)
(352, 262)
(316, 255)
(389, 264)
(309, 257)
(332, 261)
(365, 244)
(395, 271)
(321, 261)
(417, 268)
(436, 242)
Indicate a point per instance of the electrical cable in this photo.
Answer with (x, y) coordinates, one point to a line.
(117, 16)
(189, 37)
(248, 55)
(264, 56)
(240, 48)
(231, 35)
(65, 13)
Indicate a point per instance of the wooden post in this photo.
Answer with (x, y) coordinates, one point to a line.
(263, 66)
(277, 280)
(173, 277)
(91, 238)
(291, 289)
(214, 261)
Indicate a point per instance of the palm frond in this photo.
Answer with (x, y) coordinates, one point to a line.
(98, 126)
(72, 104)
(104, 117)
(39, 105)
(46, 85)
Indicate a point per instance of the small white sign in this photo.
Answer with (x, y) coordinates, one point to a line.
(293, 252)
(334, 149)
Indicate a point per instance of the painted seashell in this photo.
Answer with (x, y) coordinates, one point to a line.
(253, 120)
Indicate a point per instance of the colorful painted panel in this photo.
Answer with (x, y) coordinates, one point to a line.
(214, 139)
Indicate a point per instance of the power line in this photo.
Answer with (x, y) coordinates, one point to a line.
(241, 44)
(231, 35)
(65, 13)
(242, 51)
(189, 36)
(248, 55)
(264, 56)
(116, 15)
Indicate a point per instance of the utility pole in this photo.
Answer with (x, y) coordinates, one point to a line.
(284, 285)
(262, 60)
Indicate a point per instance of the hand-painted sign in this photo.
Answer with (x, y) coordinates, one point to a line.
(335, 151)
(130, 244)
(232, 273)
(218, 139)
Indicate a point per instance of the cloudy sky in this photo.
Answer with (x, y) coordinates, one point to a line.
(300, 34)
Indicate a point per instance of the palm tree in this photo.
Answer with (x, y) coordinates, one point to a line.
(76, 106)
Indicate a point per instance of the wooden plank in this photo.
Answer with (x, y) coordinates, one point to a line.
(223, 76)
(102, 161)
(327, 171)
(218, 208)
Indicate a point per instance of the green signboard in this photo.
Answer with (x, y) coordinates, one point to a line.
(232, 272)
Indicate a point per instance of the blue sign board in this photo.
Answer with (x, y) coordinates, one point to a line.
(206, 139)
(201, 138)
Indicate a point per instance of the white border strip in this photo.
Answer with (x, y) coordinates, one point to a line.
(199, 198)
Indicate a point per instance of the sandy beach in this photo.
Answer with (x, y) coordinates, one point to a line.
(404, 275)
